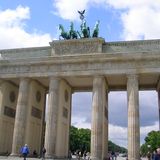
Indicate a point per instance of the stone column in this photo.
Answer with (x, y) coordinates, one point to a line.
(51, 118)
(133, 118)
(158, 91)
(159, 106)
(97, 124)
(105, 123)
(21, 117)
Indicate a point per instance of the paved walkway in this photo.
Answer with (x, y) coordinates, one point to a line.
(17, 158)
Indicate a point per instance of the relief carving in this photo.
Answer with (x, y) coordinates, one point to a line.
(10, 112)
(35, 112)
(77, 47)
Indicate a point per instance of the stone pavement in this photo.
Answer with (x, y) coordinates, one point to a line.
(17, 158)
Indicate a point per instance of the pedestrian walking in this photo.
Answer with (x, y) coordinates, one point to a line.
(157, 156)
(43, 153)
(25, 151)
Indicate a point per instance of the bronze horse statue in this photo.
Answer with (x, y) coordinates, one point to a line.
(96, 30)
(72, 34)
(85, 31)
(63, 34)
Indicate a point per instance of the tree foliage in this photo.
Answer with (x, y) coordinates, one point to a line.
(152, 142)
(80, 140)
(114, 147)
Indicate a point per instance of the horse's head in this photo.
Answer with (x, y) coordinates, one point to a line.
(61, 27)
(84, 24)
(71, 26)
(97, 24)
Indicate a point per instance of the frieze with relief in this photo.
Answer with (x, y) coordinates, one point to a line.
(35, 112)
(83, 46)
(10, 112)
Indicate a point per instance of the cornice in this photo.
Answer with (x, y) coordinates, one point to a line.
(24, 49)
(133, 43)
(87, 58)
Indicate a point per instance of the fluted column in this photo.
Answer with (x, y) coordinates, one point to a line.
(133, 118)
(105, 123)
(21, 117)
(97, 125)
(51, 118)
(158, 91)
(159, 106)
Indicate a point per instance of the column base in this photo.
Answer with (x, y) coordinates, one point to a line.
(14, 155)
(95, 158)
(57, 158)
(60, 159)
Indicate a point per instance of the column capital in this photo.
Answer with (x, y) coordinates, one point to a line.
(55, 77)
(98, 76)
(97, 79)
(25, 79)
(132, 80)
(132, 76)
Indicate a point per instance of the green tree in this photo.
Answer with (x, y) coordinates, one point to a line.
(81, 138)
(144, 149)
(152, 142)
(74, 140)
(113, 147)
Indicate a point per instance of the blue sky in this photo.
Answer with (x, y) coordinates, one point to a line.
(29, 23)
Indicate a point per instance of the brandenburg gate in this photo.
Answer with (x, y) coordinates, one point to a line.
(63, 67)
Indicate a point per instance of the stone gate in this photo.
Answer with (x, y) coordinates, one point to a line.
(28, 74)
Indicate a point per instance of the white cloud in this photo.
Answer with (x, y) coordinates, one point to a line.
(13, 33)
(140, 19)
(130, 4)
(118, 135)
(141, 23)
(68, 9)
(81, 114)
(80, 122)
(145, 130)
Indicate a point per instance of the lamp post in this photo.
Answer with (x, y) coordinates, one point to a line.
(149, 153)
